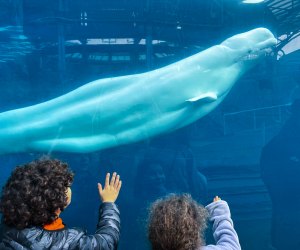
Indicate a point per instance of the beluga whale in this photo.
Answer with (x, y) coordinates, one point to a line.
(115, 111)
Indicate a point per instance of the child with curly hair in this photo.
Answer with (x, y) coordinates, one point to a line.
(32, 200)
(177, 222)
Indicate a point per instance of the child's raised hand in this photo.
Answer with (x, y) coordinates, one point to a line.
(111, 189)
(217, 198)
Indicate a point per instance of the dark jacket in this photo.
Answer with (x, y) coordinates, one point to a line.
(37, 238)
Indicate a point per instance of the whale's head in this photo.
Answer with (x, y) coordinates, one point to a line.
(251, 45)
(242, 52)
(225, 64)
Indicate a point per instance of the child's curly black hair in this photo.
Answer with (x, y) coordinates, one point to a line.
(34, 192)
(176, 222)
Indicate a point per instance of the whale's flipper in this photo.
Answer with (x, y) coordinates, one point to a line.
(205, 98)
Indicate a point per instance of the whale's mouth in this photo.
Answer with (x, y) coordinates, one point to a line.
(249, 57)
(254, 55)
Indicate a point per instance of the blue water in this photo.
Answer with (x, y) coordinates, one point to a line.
(246, 150)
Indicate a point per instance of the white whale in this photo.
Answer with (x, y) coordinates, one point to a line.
(115, 111)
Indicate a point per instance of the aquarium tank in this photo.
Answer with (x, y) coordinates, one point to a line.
(192, 96)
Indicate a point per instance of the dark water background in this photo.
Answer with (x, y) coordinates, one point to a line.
(246, 151)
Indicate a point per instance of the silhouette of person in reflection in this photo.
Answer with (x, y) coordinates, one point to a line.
(150, 180)
(167, 166)
(178, 162)
(150, 184)
(280, 170)
(84, 166)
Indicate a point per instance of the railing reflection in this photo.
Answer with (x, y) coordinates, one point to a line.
(255, 119)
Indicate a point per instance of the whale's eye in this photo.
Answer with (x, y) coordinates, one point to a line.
(249, 51)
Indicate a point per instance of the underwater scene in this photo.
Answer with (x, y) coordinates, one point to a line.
(197, 97)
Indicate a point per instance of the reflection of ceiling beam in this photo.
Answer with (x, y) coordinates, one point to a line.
(128, 18)
(287, 14)
(181, 22)
(123, 48)
(291, 14)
